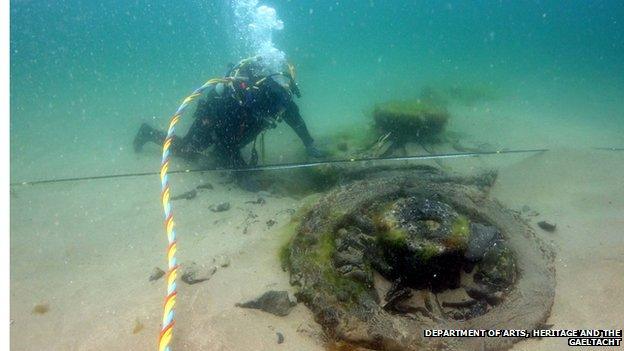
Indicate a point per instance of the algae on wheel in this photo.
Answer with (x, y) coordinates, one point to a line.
(380, 260)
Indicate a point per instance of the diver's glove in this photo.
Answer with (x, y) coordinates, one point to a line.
(313, 151)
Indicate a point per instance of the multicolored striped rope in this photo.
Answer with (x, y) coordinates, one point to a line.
(166, 333)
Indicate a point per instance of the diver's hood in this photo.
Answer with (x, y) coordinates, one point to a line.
(287, 83)
(282, 81)
(256, 73)
(280, 88)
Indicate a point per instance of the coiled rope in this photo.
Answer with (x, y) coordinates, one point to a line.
(166, 332)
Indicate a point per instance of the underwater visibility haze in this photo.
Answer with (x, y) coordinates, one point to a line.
(484, 83)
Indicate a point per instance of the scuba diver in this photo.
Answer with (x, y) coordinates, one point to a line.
(250, 100)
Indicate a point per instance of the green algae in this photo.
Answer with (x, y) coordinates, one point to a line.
(345, 289)
(427, 252)
(411, 119)
(460, 233)
(498, 268)
(284, 255)
(320, 259)
(326, 249)
(392, 238)
(323, 177)
(307, 203)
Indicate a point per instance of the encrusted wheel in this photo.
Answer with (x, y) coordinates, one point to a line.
(380, 260)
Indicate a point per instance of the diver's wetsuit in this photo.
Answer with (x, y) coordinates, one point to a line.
(230, 121)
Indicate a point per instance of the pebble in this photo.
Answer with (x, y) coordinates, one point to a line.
(185, 196)
(220, 207)
(41, 308)
(157, 273)
(259, 201)
(138, 326)
(205, 186)
(549, 227)
(280, 337)
(193, 273)
(278, 303)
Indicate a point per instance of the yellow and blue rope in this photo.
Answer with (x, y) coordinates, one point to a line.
(166, 332)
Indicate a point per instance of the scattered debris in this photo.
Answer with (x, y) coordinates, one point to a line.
(549, 227)
(138, 326)
(41, 308)
(189, 195)
(248, 225)
(193, 273)
(157, 273)
(259, 201)
(249, 220)
(270, 223)
(278, 303)
(220, 207)
(280, 337)
(206, 186)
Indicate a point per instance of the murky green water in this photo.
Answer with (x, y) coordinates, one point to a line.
(509, 75)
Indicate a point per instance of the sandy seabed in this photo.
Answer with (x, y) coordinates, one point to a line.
(86, 250)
